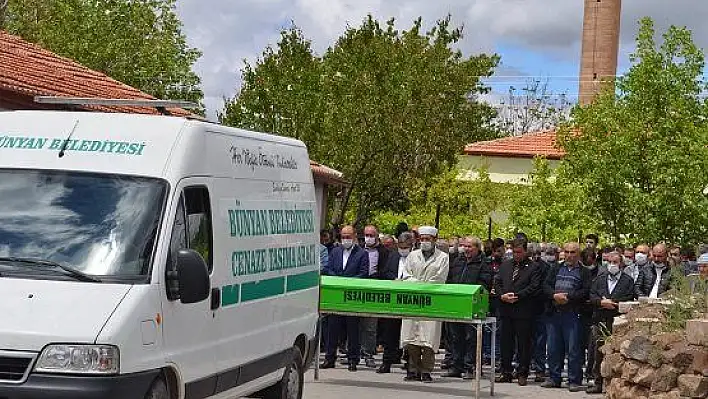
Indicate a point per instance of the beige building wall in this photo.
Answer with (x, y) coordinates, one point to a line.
(501, 169)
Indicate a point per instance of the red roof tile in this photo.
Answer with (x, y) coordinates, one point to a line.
(527, 146)
(327, 175)
(29, 70)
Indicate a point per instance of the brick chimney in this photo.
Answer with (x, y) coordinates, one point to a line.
(600, 48)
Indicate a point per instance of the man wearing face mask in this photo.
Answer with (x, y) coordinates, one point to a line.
(469, 268)
(607, 291)
(630, 266)
(395, 269)
(378, 256)
(495, 262)
(655, 277)
(347, 260)
(422, 338)
(589, 260)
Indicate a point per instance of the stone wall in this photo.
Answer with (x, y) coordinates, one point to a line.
(643, 362)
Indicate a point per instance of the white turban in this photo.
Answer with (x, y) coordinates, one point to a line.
(428, 231)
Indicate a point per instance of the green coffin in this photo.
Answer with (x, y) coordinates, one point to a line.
(403, 298)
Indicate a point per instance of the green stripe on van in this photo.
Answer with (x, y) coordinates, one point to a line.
(230, 294)
(303, 281)
(262, 289)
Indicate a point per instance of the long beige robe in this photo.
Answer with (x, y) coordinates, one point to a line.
(433, 270)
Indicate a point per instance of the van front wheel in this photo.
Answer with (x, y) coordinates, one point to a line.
(158, 390)
(292, 384)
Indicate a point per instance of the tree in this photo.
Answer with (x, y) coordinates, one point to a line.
(386, 107)
(537, 108)
(639, 153)
(138, 42)
(3, 12)
(549, 209)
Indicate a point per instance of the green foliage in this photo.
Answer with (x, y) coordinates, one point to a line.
(639, 154)
(550, 209)
(689, 299)
(389, 108)
(138, 42)
(465, 206)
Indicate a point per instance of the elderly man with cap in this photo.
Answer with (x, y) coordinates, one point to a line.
(422, 338)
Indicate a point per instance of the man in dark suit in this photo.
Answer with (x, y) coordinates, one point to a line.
(568, 286)
(347, 260)
(378, 256)
(470, 267)
(608, 290)
(517, 283)
(391, 328)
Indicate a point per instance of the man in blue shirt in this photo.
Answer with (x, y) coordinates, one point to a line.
(568, 286)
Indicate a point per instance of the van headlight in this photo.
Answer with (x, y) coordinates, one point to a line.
(79, 359)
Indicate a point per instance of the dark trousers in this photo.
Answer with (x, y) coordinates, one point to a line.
(539, 358)
(464, 346)
(586, 342)
(564, 339)
(421, 358)
(338, 326)
(487, 340)
(598, 332)
(391, 337)
(446, 341)
(516, 333)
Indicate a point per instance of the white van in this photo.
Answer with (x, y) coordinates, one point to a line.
(153, 257)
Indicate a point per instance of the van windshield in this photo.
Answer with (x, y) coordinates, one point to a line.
(99, 225)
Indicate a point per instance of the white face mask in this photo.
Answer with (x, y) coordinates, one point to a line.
(347, 243)
(641, 258)
(613, 268)
(452, 250)
(404, 252)
(426, 246)
(370, 241)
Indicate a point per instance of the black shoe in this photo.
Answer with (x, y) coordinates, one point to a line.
(352, 367)
(504, 378)
(327, 365)
(384, 369)
(575, 388)
(470, 375)
(597, 388)
(370, 363)
(452, 373)
(411, 377)
(426, 377)
(540, 377)
(551, 384)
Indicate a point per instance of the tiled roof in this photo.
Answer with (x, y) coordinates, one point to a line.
(526, 146)
(29, 70)
(327, 175)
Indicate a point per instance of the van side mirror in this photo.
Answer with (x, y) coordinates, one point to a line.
(190, 282)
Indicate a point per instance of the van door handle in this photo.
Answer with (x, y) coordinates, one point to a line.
(215, 298)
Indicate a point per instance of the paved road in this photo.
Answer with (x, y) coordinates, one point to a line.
(364, 384)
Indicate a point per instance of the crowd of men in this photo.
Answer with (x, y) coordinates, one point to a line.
(552, 303)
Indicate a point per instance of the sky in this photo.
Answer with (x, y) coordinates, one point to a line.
(536, 39)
